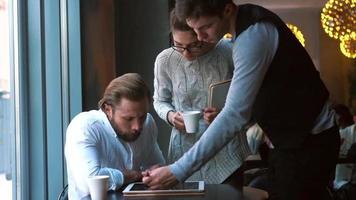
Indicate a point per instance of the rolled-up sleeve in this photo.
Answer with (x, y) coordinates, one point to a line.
(85, 158)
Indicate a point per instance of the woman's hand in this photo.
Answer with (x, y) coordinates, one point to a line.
(209, 114)
(176, 119)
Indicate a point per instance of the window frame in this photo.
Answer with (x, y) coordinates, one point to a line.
(46, 62)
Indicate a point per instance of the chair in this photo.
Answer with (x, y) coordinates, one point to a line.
(64, 193)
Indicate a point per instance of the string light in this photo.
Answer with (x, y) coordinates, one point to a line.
(348, 45)
(338, 18)
(339, 22)
(298, 34)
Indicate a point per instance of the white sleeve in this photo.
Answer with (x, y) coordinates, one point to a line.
(162, 97)
(85, 159)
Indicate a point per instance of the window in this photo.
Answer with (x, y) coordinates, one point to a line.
(40, 84)
(7, 125)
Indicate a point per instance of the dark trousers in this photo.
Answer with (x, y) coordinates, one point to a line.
(304, 173)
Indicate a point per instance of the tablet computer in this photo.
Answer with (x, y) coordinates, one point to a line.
(186, 188)
(217, 94)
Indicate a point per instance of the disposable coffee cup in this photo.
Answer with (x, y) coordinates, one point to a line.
(191, 121)
(98, 187)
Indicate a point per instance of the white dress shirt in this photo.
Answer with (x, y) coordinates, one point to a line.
(93, 148)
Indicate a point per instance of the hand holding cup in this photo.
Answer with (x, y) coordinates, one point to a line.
(191, 120)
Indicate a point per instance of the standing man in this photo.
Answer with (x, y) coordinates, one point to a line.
(274, 84)
(183, 74)
(118, 140)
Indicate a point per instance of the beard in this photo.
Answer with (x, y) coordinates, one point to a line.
(126, 136)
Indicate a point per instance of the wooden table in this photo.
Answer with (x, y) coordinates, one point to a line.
(212, 192)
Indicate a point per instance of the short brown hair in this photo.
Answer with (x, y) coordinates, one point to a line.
(130, 86)
(197, 8)
(178, 25)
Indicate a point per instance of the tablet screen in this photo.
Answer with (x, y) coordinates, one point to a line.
(183, 186)
(186, 187)
(139, 186)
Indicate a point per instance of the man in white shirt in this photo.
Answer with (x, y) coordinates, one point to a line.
(119, 139)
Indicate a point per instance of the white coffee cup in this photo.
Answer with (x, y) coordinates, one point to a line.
(191, 121)
(98, 187)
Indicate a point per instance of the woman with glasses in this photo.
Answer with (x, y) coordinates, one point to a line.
(183, 74)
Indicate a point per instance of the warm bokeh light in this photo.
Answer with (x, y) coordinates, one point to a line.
(298, 34)
(348, 45)
(338, 18)
(228, 36)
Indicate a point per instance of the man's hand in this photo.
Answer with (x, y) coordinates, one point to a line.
(210, 114)
(176, 119)
(131, 176)
(160, 178)
(147, 171)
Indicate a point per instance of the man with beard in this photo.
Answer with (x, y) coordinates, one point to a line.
(118, 140)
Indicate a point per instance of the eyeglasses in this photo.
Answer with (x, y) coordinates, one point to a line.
(190, 49)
